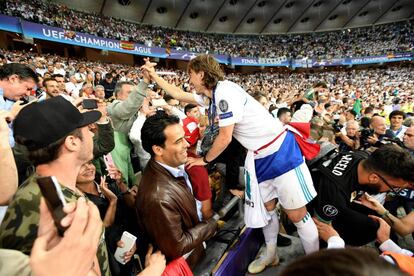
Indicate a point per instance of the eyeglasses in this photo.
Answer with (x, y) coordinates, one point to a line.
(395, 190)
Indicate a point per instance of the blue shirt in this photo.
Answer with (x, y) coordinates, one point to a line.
(6, 104)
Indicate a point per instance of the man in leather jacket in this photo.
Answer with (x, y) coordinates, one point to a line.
(166, 208)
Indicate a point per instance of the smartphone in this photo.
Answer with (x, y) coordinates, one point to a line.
(55, 200)
(89, 104)
(158, 102)
(356, 195)
(109, 162)
(129, 241)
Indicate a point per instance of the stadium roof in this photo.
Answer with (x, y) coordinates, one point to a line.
(252, 16)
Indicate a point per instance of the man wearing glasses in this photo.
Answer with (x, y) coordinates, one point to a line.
(408, 139)
(340, 182)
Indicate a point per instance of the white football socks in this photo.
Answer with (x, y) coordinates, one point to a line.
(270, 232)
(308, 234)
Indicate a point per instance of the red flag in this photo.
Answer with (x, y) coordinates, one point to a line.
(309, 148)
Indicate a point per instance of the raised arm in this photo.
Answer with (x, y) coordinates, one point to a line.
(172, 90)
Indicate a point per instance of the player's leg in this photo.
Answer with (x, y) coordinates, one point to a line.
(270, 231)
(295, 190)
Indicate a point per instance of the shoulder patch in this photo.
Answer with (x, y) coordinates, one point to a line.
(223, 105)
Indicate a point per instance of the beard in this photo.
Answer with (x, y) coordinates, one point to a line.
(371, 189)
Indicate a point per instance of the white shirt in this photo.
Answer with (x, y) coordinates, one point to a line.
(72, 89)
(80, 76)
(41, 71)
(67, 97)
(399, 133)
(60, 71)
(254, 126)
(135, 137)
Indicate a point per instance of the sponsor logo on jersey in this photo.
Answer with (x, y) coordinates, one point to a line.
(330, 210)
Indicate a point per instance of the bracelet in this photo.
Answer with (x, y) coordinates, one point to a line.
(205, 160)
(386, 214)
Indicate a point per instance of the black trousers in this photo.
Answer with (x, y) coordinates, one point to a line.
(233, 156)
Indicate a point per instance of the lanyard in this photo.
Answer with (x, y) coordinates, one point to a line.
(398, 131)
(212, 109)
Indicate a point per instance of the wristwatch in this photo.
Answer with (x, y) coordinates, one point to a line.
(386, 214)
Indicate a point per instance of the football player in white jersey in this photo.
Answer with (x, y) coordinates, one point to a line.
(278, 164)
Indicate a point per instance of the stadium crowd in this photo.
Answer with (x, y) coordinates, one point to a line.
(367, 41)
(394, 82)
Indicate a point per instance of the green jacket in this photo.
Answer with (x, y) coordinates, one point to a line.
(19, 228)
(103, 141)
(124, 113)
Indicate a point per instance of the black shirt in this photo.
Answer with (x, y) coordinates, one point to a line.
(109, 88)
(336, 183)
(342, 146)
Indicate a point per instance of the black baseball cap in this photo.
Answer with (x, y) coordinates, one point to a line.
(42, 123)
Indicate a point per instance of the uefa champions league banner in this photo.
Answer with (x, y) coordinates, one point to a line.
(10, 24)
(44, 32)
(81, 39)
(382, 59)
(33, 30)
(308, 63)
(247, 61)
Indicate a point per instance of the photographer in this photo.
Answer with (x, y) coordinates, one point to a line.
(350, 140)
(378, 134)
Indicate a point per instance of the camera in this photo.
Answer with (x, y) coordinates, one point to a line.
(153, 86)
(336, 125)
(366, 132)
(395, 141)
